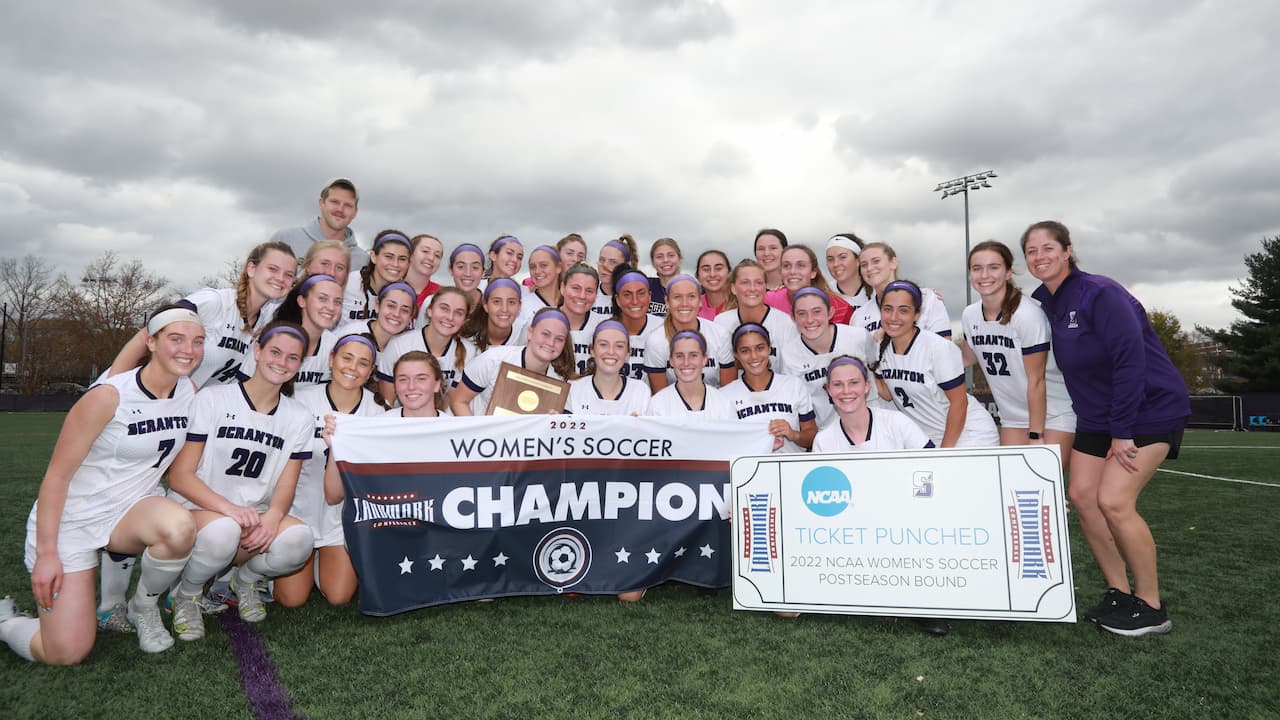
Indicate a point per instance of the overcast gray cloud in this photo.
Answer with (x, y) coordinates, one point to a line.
(185, 132)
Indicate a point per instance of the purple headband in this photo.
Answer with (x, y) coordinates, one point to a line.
(262, 339)
(620, 247)
(311, 280)
(745, 328)
(356, 337)
(496, 283)
(906, 285)
(826, 299)
(848, 360)
(399, 285)
(684, 278)
(465, 247)
(548, 249)
(392, 237)
(610, 325)
(554, 314)
(504, 240)
(690, 335)
(629, 277)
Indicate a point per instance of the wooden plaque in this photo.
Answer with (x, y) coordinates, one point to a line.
(522, 392)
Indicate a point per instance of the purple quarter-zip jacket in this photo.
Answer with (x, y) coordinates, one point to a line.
(1119, 377)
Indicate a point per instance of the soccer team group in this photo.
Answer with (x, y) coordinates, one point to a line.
(228, 396)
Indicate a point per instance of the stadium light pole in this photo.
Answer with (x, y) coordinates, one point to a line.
(962, 186)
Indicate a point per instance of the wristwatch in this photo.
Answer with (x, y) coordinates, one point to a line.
(1033, 435)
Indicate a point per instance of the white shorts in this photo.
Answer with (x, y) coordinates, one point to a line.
(329, 530)
(78, 546)
(1063, 422)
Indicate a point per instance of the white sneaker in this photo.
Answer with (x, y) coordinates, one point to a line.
(8, 610)
(250, 604)
(188, 623)
(152, 637)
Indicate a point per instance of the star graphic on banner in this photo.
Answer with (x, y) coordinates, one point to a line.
(468, 563)
(406, 566)
(680, 552)
(706, 551)
(653, 556)
(623, 556)
(500, 559)
(437, 562)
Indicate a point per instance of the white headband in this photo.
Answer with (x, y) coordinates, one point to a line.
(844, 242)
(172, 315)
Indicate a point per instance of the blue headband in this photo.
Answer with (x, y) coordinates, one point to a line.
(684, 278)
(626, 252)
(848, 360)
(745, 328)
(690, 335)
(392, 237)
(504, 240)
(465, 247)
(496, 283)
(826, 299)
(631, 277)
(906, 285)
(610, 325)
(554, 314)
(547, 249)
(262, 339)
(356, 337)
(311, 280)
(398, 285)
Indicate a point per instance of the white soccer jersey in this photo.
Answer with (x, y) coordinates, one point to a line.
(581, 339)
(933, 314)
(399, 412)
(585, 399)
(782, 331)
(314, 369)
(530, 303)
(309, 505)
(889, 430)
(225, 340)
(130, 455)
(245, 450)
(668, 402)
(417, 340)
(786, 398)
(657, 352)
(1000, 350)
(482, 373)
(357, 304)
(918, 381)
(634, 368)
(800, 360)
(603, 305)
(856, 302)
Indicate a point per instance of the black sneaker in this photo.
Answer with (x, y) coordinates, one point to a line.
(1137, 618)
(1112, 600)
(933, 626)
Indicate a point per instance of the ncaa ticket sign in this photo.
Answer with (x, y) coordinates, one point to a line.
(974, 533)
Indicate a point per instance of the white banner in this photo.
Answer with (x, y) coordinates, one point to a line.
(978, 533)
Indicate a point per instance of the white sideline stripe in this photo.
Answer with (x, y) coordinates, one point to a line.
(1214, 477)
(1232, 447)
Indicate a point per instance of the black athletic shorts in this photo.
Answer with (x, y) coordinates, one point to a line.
(1098, 444)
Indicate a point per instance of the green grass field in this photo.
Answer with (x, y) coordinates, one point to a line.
(685, 654)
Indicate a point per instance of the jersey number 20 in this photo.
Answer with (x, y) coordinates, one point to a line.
(247, 463)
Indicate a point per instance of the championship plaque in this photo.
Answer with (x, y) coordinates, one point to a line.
(521, 392)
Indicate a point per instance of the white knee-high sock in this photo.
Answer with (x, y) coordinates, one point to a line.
(17, 632)
(155, 577)
(288, 552)
(114, 573)
(214, 549)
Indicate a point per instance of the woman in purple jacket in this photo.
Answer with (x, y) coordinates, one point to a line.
(1131, 406)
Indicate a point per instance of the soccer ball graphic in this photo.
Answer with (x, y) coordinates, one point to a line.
(562, 557)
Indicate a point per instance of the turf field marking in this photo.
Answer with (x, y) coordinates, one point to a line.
(266, 696)
(1215, 477)
(1232, 447)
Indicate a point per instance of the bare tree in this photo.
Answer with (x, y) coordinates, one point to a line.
(227, 278)
(109, 304)
(29, 290)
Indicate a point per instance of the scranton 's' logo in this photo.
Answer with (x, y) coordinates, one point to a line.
(562, 558)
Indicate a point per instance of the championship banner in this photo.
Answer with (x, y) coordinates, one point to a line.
(451, 509)
(977, 533)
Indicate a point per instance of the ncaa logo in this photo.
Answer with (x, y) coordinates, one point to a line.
(826, 491)
(562, 558)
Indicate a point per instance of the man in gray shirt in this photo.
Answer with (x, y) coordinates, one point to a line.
(339, 203)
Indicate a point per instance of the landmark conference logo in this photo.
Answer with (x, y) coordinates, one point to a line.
(826, 491)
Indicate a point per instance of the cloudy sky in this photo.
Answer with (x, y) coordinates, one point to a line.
(185, 132)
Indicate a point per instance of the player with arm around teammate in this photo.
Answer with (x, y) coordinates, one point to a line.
(102, 489)
(237, 474)
(762, 394)
(329, 566)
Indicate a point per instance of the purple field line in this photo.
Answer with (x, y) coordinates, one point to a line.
(266, 695)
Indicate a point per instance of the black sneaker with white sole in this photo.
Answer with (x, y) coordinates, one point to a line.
(1136, 618)
(1112, 599)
